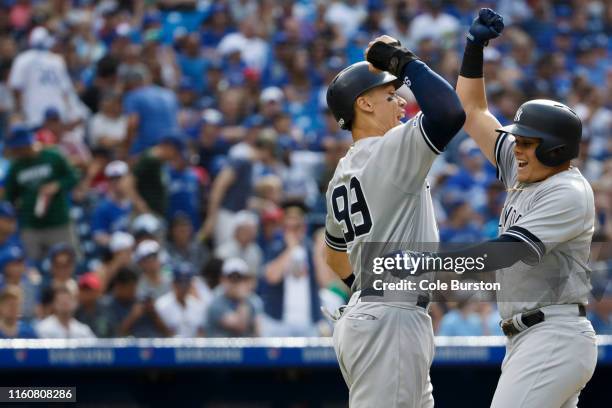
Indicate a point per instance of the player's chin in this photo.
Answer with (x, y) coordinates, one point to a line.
(522, 176)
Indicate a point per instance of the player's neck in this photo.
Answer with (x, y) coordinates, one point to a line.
(364, 132)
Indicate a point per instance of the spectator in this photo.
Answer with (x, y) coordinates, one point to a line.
(193, 65)
(243, 244)
(147, 226)
(108, 128)
(113, 212)
(38, 182)
(185, 187)
(40, 80)
(212, 146)
(105, 81)
(434, 23)
(182, 247)
(289, 288)
(462, 223)
(15, 272)
(153, 282)
(474, 175)
(90, 306)
(62, 264)
(253, 50)
(232, 188)
(128, 316)
(11, 324)
(62, 324)
(235, 311)
(151, 182)
(179, 309)
(151, 109)
(8, 226)
(118, 255)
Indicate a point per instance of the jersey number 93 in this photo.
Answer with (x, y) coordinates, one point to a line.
(351, 210)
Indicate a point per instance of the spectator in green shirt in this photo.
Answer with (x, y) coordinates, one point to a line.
(38, 183)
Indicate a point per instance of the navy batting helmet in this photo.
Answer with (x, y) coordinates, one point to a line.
(351, 82)
(557, 126)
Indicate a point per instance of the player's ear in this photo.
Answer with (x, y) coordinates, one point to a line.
(364, 103)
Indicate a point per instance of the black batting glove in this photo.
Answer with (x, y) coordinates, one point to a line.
(390, 57)
(487, 26)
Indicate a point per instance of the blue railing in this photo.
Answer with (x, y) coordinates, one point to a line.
(230, 353)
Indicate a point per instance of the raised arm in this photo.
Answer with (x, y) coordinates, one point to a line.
(480, 124)
(443, 115)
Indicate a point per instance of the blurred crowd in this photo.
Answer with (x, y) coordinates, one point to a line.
(164, 163)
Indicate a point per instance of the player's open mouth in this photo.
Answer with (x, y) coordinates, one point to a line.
(522, 163)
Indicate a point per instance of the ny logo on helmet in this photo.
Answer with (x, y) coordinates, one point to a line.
(341, 122)
(517, 117)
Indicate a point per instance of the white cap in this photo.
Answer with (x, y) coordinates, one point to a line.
(271, 94)
(120, 241)
(146, 248)
(146, 223)
(244, 217)
(116, 168)
(231, 44)
(40, 38)
(235, 265)
(212, 116)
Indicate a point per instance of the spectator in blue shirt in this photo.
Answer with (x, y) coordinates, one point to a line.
(11, 326)
(113, 212)
(216, 26)
(461, 225)
(8, 226)
(152, 110)
(192, 63)
(185, 190)
(474, 175)
(15, 272)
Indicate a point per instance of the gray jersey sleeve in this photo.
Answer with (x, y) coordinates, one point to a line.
(405, 156)
(553, 217)
(505, 160)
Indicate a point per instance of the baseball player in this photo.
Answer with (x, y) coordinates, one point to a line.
(549, 216)
(379, 193)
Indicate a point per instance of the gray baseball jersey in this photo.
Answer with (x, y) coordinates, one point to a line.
(379, 193)
(556, 218)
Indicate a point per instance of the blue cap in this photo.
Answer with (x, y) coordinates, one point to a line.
(175, 139)
(59, 248)
(19, 136)
(6, 210)
(11, 254)
(52, 113)
(183, 272)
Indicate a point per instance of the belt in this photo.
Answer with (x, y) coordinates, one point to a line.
(523, 321)
(422, 301)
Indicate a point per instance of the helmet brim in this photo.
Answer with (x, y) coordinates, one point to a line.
(522, 130)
